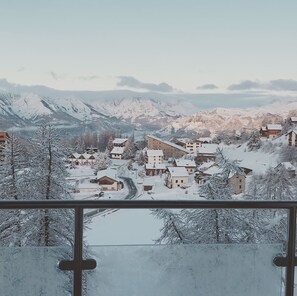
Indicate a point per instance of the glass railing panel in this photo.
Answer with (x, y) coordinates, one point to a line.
(129, 263)
(33, 271)
(191, 270)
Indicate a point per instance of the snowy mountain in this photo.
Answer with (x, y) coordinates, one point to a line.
(27, 109)
(25, 106)
(233, 118)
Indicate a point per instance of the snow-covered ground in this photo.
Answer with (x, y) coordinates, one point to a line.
(121, 227)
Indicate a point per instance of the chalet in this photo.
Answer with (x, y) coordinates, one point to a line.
(291, 137)
(108, 181)
(4, 137)
(207, 152)
(190, 165)
(82, 159)
(235, 180)
(154, 156)
(169, 149)
(119, 142)
(204, 140)
(291, 170)
(177, 177)
(293, 120)
(154, 169)
(117, 152)
(270, 130)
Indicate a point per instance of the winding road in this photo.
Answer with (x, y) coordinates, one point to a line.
(132, 193)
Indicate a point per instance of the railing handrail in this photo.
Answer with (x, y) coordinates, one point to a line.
(145, 204)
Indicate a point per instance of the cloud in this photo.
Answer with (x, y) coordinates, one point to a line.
(276, 85)
(132, 82)
(283, 84)
(207, 86)
(245, 85)
(89, 78)
(21, 69)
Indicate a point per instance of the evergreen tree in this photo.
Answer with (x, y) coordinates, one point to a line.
(173, 229)
(102, 161)
(130, 149)
(13, 185)
(254, 142)
(48, 172)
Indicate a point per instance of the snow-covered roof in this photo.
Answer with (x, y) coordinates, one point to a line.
(213, 170)
(170, 144)
(274, 127)
(150, 152)
(208, 149)
(117, 150)
(293, 118)
(87, 155)
(178, 172)
(119, 141)
(185, 163)
(107, 173)
(217, 170)
(204, 166)
(148, 182)
(156, 166)
(205, 139)
(292, 131)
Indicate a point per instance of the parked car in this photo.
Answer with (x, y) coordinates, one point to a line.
(99, 194)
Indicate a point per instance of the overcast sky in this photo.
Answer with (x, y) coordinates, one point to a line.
(156, 45)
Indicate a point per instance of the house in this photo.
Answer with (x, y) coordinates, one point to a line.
(82, 159)
(119, 142)
(169, 149)
(291, 137)
(154, 156)
(108, 181)
(189, 144)
(288, 167)
(204, 140)
(207, 152)
(235, 180)
(117, 152)
(190, 165)
(154, 169)
(270, 130)
(177, 177)
(293, 120)
(4, 137)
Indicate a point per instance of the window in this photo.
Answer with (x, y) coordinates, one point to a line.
(176, 181)
(182, 181)
(239, 186)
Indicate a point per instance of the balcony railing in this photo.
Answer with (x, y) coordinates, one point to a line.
(77, 264)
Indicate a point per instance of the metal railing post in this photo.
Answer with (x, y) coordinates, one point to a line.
(291, 252)
(78, 252)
